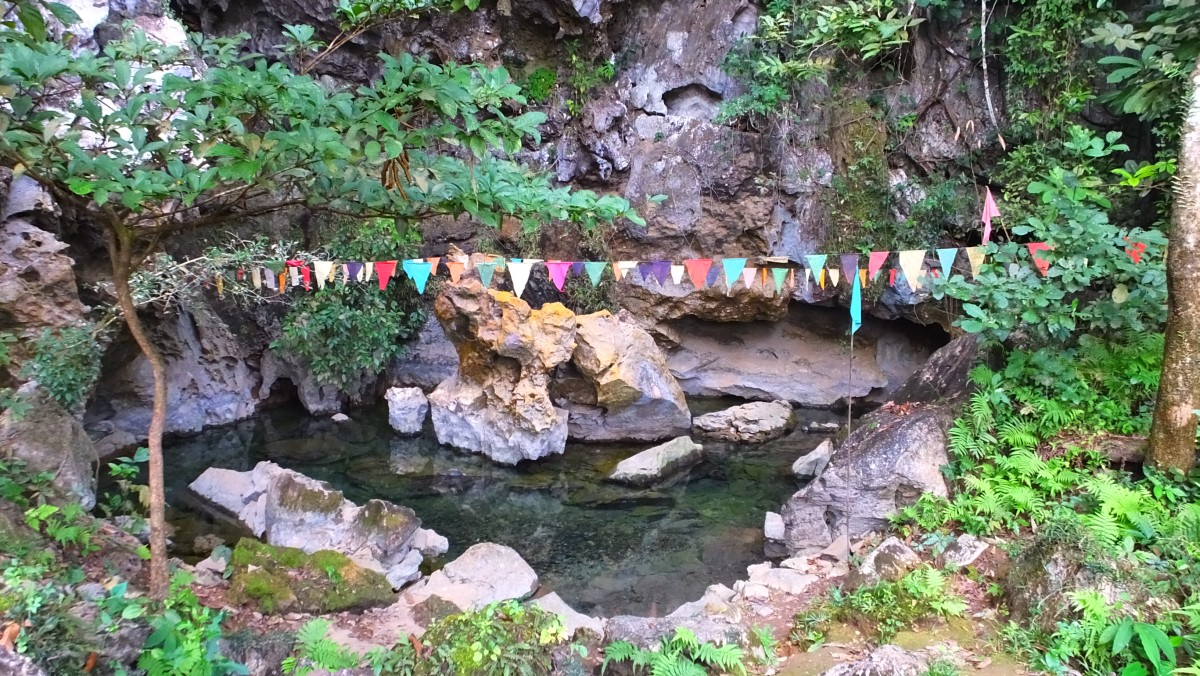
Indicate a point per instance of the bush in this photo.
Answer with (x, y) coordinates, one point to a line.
(66, 363)
(682, 653)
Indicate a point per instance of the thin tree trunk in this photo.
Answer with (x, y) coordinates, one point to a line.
(1173, 435)
(120, 250)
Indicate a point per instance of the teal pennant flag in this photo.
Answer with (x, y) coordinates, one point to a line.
(419, 272)
(733, 270)
(486, 270)
(816, 263)
(946, 258)
(594, 270)
(779, 274)
(856, 303)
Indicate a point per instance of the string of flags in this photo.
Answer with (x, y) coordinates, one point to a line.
(774, 276)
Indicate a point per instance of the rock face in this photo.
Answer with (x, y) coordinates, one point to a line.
(636, 396)
(801, 359)
(498, 402)
(48, 439)
(428, 359)
(754, 422)
(944, 377)
(288, 509)
(407, 408)
(485, 573)
(659, 464)
(647, 299)
(886, 463)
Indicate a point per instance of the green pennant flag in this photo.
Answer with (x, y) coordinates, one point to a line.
(485, 273)
(780, 274)
(594, 270)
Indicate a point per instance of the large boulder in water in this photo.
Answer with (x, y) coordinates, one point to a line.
(754, 422)
(636, 396)
(49, 439)
(498, 403)
(658, 465)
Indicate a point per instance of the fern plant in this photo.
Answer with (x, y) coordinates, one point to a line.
(315, 650)
(682, 654)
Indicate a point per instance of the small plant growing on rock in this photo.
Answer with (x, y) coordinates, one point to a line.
(680, 655)
(892, 606)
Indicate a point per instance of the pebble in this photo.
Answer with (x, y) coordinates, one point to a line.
(340, 417)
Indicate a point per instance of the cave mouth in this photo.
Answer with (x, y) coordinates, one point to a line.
(693, 100)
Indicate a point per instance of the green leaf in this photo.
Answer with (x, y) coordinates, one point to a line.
(64, 14)
(31, 19)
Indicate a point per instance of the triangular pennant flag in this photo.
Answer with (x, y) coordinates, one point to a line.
(433, 264)
(518, 274)
(486, 270)
(748, 277)
(368, 271)
(353, 270)
(677, 274)
(1042, 264)
(990, 211)
(384, 270)
(577, 268)
(911, 262)
(456, 269)
(875, 262)
(835, 276)
(618, 273)
(779, 274)
(558, 272)
(221, 285)
(294, 272)
(345, 273)
(418, 270)
(762, 273)
(714, 273)
(322, 268)
(892, 277)
(282, 283)
(256, 277)
(856, 303)
(946, 258)
(849, 265)
(305, 274)
(697, 269)
(863, 275)
(976, 256)
(645, 270)
(821, 277)
(733, 268)
(500, 261)
(594, 270)
(625, 267)
(661, 270)
(817, 262)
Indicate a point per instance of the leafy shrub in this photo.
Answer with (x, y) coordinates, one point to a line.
(681, 654)
(185, 637)
(66, 363)
(539, 84)
(70, 526)
(316, 651)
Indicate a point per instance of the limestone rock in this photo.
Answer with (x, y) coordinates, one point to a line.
(48, 439)
(716, 601)
(886, 660)
(886, 464)
(408, 570)
(647, 299)
(407, 408)
(283, 579)
(944, 376)
(635, 395)
(429, 543)
(645, 632)
(498, 403)
(13, 663)
(888, 562)
(485, 573)
(659, 464)
(572, 619)
(786, 580)
(964, 551)
(428, 359)
(340, 418)
(755, 422)
(814, 462)
(773, 527)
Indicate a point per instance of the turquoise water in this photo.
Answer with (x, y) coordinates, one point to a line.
(605, 549)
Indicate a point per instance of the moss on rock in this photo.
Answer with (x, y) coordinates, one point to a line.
(302, 496)
(285, 579)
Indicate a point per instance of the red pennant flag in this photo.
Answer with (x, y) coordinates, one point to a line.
(875, 263)
(384, 271)
(456, 270)
(697, 269)
(1042, 264)
(990, 211)
(304, 272)
(892, 277)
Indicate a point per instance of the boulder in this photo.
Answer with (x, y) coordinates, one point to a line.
(755, 422)
(890, 459)
(964, 551)
(635, 396)
(814, 462)
(715, 601)
(572, 619)
(286, 579)
(408, 570)
(645, 632)
(49, 439)
(407, 408)
(886, 660)
(429, 543)
(944, 377)
(889, 562)
(786, 580)
(656, 466)
(289, 509)
(13, 663)
(428, 359)
(498, 403)
(773, 528)
(485, 573)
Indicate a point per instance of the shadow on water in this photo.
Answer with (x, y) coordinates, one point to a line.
(604, 548)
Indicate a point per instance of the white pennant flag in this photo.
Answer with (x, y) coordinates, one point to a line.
(321, 269)
(677, 274)
(911, 263)
(834, 276)
(368, 270)
(255, 278)
(519, 274)
(748, 277)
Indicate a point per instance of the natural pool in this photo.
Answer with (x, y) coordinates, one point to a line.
(605, 549)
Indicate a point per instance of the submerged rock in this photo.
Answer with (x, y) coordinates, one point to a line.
(49, 439)
(485, 573)
(407, 409)
(286, 579)
(755, 422)
(636, 396)
(498, 403)
(659, 464)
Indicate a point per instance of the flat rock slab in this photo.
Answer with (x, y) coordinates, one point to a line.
(755, 422)
(485, 573)
(657, 465)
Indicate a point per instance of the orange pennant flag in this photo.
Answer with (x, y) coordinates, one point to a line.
(456, 270)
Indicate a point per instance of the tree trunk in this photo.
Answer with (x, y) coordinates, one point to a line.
(120, 250)
(1173, 435)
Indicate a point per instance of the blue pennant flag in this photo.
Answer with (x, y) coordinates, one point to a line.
(419, 272)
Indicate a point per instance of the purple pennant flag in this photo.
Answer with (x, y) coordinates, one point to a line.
(661, 271)
(849, 266)
(645, 269)
(577, 269)
(714, 273)
(354, 267)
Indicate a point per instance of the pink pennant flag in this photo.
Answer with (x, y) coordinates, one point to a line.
(990, 211)
(1042, 264)
(558, 272)
(384, 271)
(875, 263)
